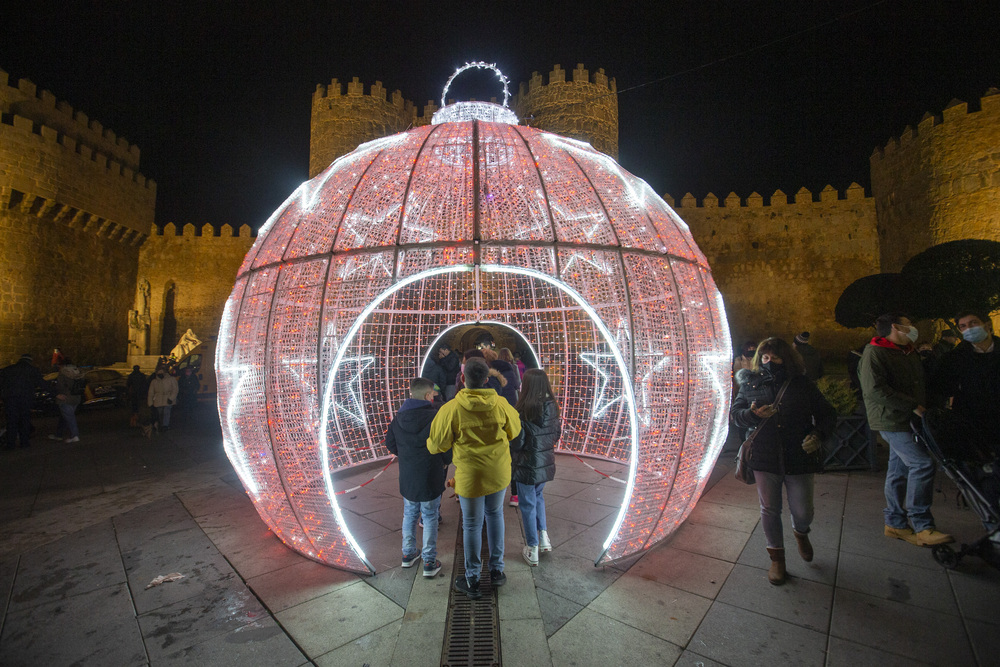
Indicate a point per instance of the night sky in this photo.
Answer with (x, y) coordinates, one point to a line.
(715, 96)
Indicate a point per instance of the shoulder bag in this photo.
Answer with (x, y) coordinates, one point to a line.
(744, 472)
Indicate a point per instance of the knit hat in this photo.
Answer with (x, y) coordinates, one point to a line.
(802, 337)
(27, 357)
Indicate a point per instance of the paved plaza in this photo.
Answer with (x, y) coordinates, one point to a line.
(86, 527)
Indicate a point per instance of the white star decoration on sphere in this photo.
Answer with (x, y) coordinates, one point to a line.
(604, 364)
(352, 406)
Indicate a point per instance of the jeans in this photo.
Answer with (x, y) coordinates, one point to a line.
(532, 505)
(800, 503)
(429, 510)
(163, 415)
(909, 479)
(473, 510)
(67, 420)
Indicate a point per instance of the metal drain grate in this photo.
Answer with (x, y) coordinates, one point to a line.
(472, 633)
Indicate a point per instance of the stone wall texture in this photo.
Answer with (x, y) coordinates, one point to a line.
(584, 108)
(939, 182)
(340, 123)
(201, 268)
(73, 211)
(782, 266)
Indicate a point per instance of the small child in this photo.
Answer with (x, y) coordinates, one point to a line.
(421, 474)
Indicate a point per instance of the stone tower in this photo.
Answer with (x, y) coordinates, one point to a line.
(342, 122)
(939, 182)
(74, 210)
(584, 108)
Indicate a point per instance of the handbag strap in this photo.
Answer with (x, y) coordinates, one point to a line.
(777, 400)
(781, 392)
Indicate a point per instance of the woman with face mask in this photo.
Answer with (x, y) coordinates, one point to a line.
(788, 449)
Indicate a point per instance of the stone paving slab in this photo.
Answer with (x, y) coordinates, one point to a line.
(943, 641)
(85, 561)
(738, 637)
(594, 639)
(660, 610)
(64, 631)
(328, 622)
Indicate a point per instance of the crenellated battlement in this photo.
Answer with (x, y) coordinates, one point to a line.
(204, 231)
(939, 181)
(43, 108)
(956, 112)
(557, 75)
(54, 137)
(804, 196)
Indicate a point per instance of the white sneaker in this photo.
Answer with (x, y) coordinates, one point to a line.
(544, 545)
(69, 440)
(53, 436)
(530, 554)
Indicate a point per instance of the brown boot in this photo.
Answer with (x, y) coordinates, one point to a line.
(805, 546)
(776, 575)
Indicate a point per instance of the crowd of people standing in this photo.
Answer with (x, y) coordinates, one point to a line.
(498, 424)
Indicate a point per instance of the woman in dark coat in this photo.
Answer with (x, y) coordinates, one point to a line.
(533, 458)
(786, 451)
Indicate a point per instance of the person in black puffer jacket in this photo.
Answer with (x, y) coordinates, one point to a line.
(533, 458)
(787, 450)
(421, 474)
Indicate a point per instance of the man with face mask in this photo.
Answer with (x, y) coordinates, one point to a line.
(162, 396)
(969, 375)
(892, 381)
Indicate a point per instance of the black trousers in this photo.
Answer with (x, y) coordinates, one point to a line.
(18, 413)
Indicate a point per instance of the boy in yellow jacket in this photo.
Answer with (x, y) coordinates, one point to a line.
(479, 425)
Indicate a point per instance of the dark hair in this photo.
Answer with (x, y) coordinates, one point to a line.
(883, 323)
(485, 339)
(420, 386)
(536, 391)
(749, 345)
(784, 351)
(476, 371)
(444, 346)
(472, 354)
(985, 319)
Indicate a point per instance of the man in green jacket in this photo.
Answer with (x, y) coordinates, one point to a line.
(892, 382)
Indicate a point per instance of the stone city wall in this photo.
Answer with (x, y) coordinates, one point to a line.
(781, 266)
(939, 182)
(63, 285)
(72, 215)
(200, 265)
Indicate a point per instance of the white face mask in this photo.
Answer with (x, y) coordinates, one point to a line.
(913, 334)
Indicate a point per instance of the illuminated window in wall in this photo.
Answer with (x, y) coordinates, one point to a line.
(353, 279)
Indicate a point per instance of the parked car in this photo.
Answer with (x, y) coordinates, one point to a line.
(104, 387)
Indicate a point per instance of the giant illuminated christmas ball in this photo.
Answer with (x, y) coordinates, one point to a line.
(472, 219)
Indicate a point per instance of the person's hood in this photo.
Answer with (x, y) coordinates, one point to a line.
(478, 400)
(502, 366)
(414, 415)
(742, 376)
(413, 403)
(879, 341)
(70, 370)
